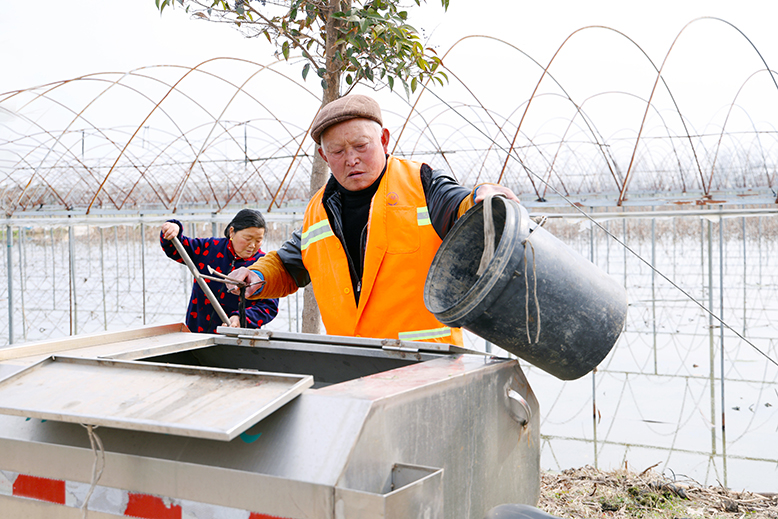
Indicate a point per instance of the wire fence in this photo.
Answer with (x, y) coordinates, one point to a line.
(678, 389)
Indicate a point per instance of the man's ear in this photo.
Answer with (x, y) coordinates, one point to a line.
(321, 152)
(385, 139)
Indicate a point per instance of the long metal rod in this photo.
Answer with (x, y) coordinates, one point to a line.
(711, 346)
(594, 379)
(745, 278)
(143, 267)
(653, 291)
(102, 278)
(53, 271)
(200, 281)
(721, 334)
(72, 278)
(22, 277)
(10, 243)
(56, 218)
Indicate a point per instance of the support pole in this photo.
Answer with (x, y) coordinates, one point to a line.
(53, 270)
(72, 278)
(22, 276)
(711, 347)
(745, 277)
(143, 265)
(721, 334)
(653, 289)
(594, 372)
(102, 278)
(10, 243)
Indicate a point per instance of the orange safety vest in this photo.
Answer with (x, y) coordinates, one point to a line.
(401, 244)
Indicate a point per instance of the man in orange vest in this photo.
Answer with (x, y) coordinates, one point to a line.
(370, 234)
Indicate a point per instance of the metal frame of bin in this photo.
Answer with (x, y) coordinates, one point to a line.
(389, 430)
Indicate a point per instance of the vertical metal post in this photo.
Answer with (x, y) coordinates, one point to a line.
(624, 251)
(10, 243)
(22, 275)
(102, 278)
(53, 270)
(214, 227)
(653, 287)
(591, 238)
(133, 266)
(88, 252)
(594, 385)
(745, 277)
(72, 279)
(711, 348)
(594, 415)
(143, 265)
(721, 334)
(116, 268)
(289, 313)
(675, 247)
(759, 245)
(607, 247)
(297, 310)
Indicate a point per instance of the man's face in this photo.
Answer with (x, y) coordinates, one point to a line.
(355, 151)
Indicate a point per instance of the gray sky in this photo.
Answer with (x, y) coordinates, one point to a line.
(58, 40)
(711, 60)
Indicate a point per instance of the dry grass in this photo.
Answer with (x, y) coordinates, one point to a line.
(588, 492)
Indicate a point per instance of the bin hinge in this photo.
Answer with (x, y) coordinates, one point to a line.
(398, 345)
(259, 335)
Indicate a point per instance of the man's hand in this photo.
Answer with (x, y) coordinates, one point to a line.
(247, 276)
(486, 189)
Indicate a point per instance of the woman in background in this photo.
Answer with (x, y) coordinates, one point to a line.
(240, 247)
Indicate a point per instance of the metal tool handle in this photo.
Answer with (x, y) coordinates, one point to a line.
(242, 306)
(200, 281)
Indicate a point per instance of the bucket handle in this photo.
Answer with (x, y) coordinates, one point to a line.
(488, 254)
(489, 232)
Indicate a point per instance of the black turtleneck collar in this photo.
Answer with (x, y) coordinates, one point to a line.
(354, 215)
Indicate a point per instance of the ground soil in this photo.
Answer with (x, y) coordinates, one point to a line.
(588, 492)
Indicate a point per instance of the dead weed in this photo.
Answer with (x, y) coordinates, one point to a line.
(587, 492)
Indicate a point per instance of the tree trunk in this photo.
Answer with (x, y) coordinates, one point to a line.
(311, 314)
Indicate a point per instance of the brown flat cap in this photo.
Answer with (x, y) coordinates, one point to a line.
(347, 107)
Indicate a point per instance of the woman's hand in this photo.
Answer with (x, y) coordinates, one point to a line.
(234, 321)
(169, 230)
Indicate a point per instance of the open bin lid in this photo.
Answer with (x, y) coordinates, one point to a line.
(200, 402)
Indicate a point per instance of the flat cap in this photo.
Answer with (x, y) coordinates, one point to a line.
(347, 107)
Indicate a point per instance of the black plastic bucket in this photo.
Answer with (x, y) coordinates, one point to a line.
(568, 321)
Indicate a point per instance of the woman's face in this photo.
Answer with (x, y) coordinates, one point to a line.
(246, 242)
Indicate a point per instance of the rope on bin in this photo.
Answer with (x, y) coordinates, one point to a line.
(99, 452)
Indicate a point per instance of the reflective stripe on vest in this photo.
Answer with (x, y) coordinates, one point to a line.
(316, 232)
(423, 216)
(421, 335)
